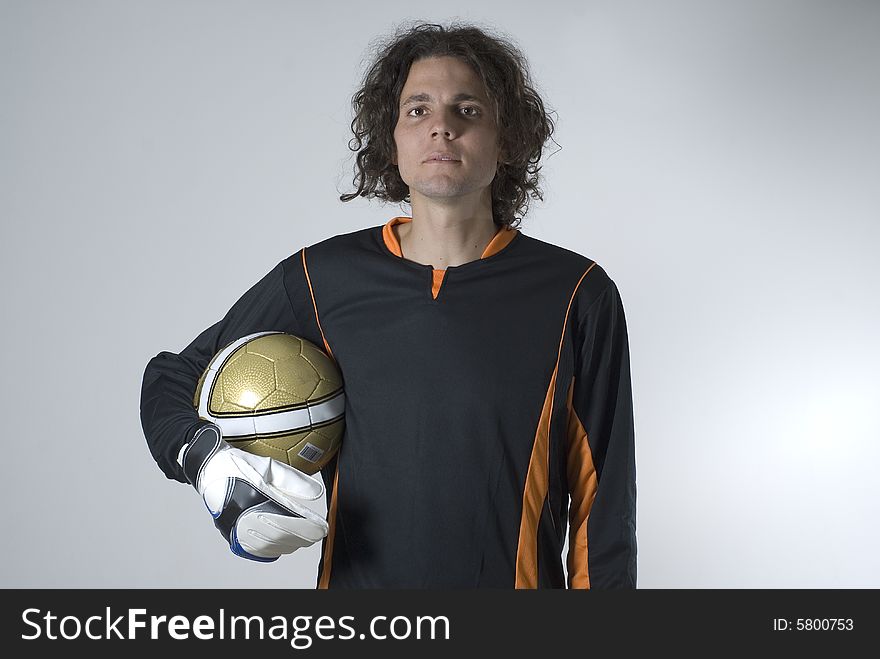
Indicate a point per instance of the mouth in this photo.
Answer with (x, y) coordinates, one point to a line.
(442, 156)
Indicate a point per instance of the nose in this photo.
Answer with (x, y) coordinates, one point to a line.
(444, 124)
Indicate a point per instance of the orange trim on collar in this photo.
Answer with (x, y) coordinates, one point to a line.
(390, 237)
(501, 239)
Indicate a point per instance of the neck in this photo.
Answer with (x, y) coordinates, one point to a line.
(442, 236)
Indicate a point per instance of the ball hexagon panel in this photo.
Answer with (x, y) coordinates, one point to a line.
(244, 381)
(297, 377)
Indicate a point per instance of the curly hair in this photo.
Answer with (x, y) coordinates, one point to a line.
(524, 124)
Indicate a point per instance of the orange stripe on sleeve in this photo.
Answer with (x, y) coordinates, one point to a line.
(315, 305)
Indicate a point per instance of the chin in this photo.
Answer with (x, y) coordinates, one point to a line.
(442, 191)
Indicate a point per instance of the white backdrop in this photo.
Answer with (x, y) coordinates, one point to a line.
(719, 159)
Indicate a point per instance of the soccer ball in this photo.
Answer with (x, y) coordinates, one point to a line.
(277, 395)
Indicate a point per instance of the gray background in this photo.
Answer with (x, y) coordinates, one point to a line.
(720, 159)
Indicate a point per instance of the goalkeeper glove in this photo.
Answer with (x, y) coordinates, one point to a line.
(258, 503)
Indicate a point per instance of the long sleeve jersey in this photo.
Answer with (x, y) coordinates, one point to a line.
(485, 405)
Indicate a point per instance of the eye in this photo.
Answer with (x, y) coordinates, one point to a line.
(474, 111)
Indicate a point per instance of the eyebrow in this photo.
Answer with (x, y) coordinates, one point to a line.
(427, 98)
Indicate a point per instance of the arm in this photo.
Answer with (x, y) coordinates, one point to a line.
(168, 416)
(601, 456)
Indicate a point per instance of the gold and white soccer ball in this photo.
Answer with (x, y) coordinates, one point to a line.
(276, 395)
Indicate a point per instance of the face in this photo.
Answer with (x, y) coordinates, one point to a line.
(444, 107)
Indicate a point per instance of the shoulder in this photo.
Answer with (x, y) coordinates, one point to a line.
(337, 249)
(353, 240)
(588, 278)
(336, 261)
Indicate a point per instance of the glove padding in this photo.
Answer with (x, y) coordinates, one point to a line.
(256, 501)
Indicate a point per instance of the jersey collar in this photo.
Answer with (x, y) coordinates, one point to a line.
(501, 239)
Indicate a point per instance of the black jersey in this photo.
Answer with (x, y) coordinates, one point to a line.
(486, 405)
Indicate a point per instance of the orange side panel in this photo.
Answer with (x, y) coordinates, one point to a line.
(535, 491)
(331, 514)
(582, 484)
(533, 496)
(324, 581)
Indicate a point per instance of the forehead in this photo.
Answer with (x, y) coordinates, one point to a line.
(442, 74)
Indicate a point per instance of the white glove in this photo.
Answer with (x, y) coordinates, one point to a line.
(256, 502)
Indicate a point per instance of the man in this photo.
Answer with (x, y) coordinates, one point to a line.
(487, 376)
